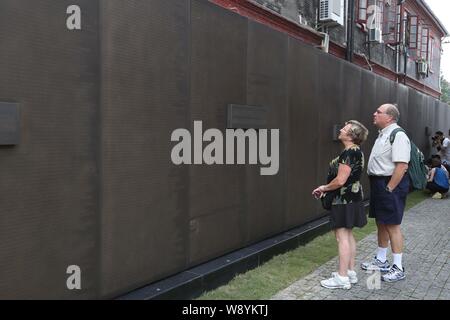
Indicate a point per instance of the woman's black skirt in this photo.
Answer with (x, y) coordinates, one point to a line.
(348, 215)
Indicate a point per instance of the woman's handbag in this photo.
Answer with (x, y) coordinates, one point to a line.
(327, 199)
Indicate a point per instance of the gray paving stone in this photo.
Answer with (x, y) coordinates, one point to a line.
(425, 258)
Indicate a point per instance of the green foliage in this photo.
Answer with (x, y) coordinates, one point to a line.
(445, 88)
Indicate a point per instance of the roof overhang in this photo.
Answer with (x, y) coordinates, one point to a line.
(435, 19)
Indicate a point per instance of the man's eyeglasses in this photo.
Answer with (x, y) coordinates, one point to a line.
(380, 112)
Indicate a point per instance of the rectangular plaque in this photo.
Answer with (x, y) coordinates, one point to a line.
(9, 123)
(247, 117)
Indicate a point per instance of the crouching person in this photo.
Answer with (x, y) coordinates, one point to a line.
(438, 180)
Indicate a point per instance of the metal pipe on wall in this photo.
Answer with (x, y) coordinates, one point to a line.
(350, 29)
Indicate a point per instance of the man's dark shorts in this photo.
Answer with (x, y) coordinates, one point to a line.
(387, 207)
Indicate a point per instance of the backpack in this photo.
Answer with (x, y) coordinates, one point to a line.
(417, 170)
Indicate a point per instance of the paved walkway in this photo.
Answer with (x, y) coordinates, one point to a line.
(426, 259)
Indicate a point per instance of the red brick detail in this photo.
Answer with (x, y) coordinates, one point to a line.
(413, 83)
(272, 19)
(256, 13)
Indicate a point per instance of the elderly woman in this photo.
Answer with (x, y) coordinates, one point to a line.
(347, 210)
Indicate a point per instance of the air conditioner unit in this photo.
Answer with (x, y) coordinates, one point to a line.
(331, 12)
(422, 67)
(375, 35)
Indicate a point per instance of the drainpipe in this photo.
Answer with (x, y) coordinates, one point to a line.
(397, 40)
(318, 17)
(405, 62)
(405, 52)
(350, 30)
(346, 24)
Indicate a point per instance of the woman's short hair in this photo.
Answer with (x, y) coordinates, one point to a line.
(358, 132)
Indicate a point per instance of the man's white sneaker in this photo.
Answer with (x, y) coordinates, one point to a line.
(375, 265)
(351, 275)
(395, 274)
(336, 282)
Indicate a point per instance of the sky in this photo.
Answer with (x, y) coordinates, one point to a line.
(441, 9)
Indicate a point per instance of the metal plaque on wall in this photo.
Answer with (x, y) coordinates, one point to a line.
(246, 117)
(9, 123)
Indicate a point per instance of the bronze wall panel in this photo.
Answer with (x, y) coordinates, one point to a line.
(329, 98)
(368, 105)
(351, 76)
(49, 181)
(303, 142)
(442, 119)
(352, 106)
(145, 96)
(415, 115)
(267, 86)
(217, 204)
(428, 123)
(403, 105)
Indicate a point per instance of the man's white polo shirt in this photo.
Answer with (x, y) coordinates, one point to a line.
(384, 155)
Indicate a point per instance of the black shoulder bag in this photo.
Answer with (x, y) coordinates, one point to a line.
(327, 199)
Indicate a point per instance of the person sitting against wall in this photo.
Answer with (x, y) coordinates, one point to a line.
(437, 156)
(438, 182)
(347, 209)
(442, 145)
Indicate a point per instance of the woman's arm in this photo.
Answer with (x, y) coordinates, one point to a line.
(341, 178)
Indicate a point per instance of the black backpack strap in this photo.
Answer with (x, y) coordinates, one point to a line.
(393, 134)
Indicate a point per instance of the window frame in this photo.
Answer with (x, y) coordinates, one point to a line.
(424, 53)
(390, 24)
(431, 42)
(413, 23)
(419, 39)
(360, 9)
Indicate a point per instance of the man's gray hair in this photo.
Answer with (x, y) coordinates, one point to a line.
(392, 110)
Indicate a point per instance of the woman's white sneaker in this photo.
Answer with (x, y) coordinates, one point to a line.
(351, 275)
(336, 282)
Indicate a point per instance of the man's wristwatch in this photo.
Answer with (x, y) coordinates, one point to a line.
(388, 189)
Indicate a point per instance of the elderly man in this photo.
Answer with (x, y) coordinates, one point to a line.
(389, 184)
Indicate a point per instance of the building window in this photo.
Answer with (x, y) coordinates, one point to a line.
(412, 24)
(430, 53)
(379, 14)
(362, 11)
(367, 8)
(424, 43)
(419, 40)
(390, 22)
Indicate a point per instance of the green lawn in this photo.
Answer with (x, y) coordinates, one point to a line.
(281, 271)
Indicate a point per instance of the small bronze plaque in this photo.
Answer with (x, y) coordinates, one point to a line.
(247, 117)
(9, 123)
